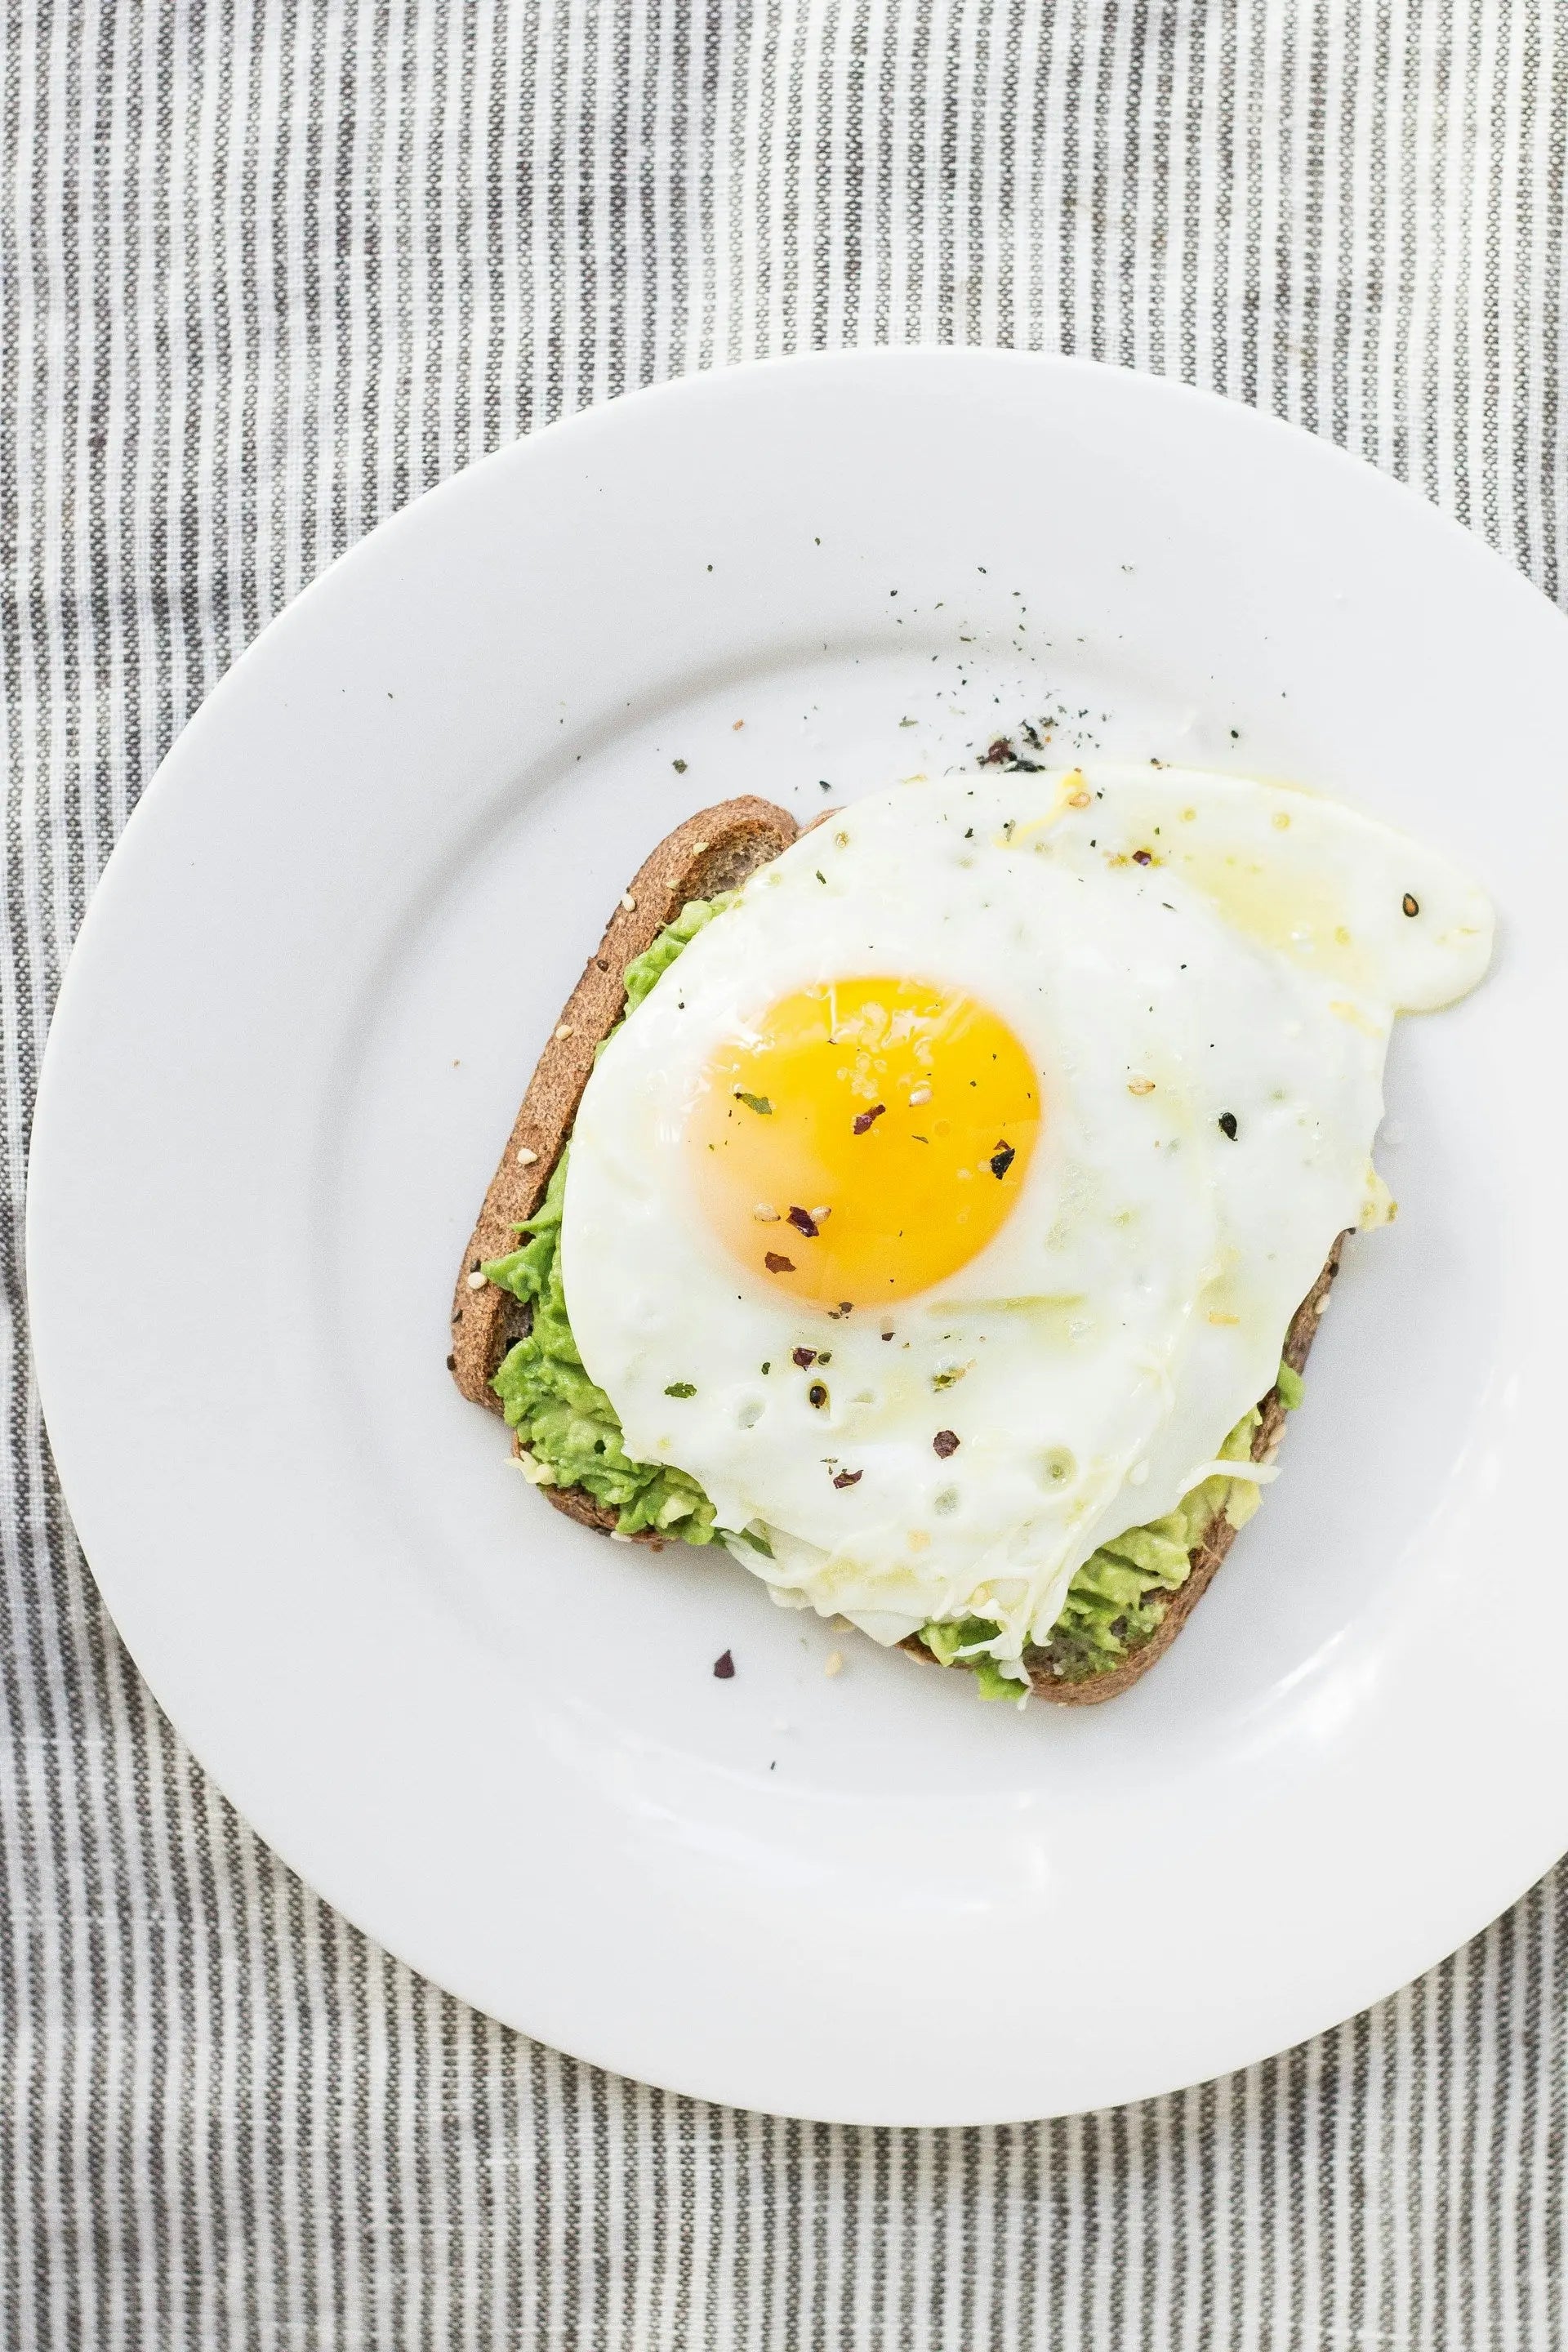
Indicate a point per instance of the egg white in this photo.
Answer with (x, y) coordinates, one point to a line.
(1093, 1357)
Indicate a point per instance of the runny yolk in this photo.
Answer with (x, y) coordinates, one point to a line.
(865, 1140)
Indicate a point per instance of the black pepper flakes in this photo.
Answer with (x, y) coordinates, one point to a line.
(724, 1668)
(944, 1442)
(805, 1223)
(1227, 1124)
(776, 1264)
(1001, 1160)
(816, 1395)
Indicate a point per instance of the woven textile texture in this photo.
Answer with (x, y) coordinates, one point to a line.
(270, 269)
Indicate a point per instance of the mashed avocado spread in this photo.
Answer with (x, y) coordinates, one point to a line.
(573, 1438)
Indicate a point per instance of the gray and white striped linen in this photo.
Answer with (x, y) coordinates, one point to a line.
(270, 269)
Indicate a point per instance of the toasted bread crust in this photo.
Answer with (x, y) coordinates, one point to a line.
(713, 851)
(717, 850)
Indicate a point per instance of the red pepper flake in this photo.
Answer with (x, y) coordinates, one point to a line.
(865, 1119)
(1001, 1160)
(804, 1358)
(944, 1442)
(805, 1223)
(724, 1667)
(1143, 857)
(849, 1477)
(997, 752)
(777, 1264)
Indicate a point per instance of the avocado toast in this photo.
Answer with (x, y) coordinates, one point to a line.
(513, 1352)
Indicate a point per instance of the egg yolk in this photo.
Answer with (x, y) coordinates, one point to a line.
(865, 1140)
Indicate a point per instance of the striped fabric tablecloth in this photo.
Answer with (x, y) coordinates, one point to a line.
(271, 267)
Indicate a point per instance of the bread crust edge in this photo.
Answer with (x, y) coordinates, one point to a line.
(715, 850)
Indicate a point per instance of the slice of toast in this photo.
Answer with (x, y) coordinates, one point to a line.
(717, 850)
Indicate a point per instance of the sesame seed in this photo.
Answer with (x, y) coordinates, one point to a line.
(628, 902)
(525, 1158)
(565, 1029)
(833, 1662)
(1077, 800)
(476, 1282)
(1139, 1085)
(765, 1216)
(919, 1095)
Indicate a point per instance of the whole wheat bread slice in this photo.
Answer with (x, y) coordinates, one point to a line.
(717, 850)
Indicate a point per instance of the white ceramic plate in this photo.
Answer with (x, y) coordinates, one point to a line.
(304, 1005)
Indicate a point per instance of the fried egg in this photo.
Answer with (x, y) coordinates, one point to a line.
(945, 1205)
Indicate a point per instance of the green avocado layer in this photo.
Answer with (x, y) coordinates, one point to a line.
(573, 1439)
